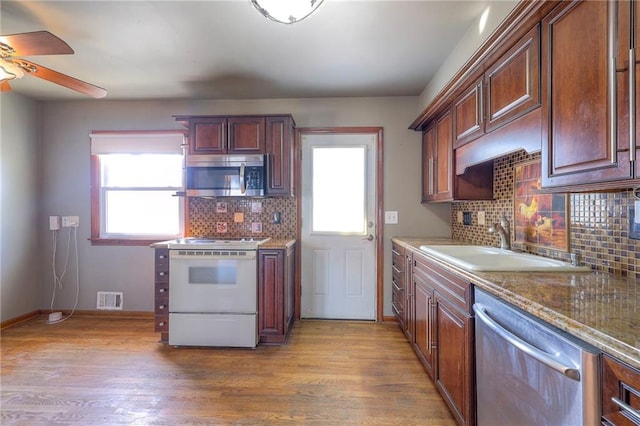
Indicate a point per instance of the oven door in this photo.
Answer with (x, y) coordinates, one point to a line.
(203, 282)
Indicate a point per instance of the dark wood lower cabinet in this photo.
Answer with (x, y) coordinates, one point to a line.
(443, 331)
(620, 393)
(276, 301)
(454, 374)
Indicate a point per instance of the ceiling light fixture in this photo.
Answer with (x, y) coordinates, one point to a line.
(9, 70)
(286, 11)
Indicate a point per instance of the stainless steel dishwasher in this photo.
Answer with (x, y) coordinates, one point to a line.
(529, 372)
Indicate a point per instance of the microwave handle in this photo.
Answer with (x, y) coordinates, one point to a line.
(243, 187)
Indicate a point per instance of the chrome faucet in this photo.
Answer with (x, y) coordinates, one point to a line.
(504, 231)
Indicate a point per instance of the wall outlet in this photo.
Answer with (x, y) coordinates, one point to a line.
(481, 218)
(466, 218)
(54, 223)
(391, 217)
(70, 221)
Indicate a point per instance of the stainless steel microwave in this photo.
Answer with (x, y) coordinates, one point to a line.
(225, 176)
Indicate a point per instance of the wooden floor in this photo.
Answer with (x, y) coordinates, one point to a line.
(92, 371)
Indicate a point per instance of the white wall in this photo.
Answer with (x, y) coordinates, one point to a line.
(21, 283)
(66, 126)
(466, 47)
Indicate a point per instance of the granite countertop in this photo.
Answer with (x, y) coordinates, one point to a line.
(599, 308)
(277, 243)
(271, 243)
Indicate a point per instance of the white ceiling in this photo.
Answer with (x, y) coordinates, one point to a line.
(211, 49)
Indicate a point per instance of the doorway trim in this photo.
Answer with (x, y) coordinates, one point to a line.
(379, 206)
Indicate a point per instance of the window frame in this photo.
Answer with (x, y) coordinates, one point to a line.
(97, 208)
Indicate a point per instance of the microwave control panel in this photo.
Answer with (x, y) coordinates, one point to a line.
(253, 177)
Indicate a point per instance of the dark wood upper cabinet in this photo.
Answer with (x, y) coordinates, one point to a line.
(227, 135)
(246, 135)
(508, 89)
(585, 103)
(513, 82)
(207, 135)
(468, 111)
(437, 143)
(279, 151)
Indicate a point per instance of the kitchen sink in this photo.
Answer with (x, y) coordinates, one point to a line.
(483, 258)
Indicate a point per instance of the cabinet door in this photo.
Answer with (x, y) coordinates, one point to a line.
(270, 294)
(409, 305)
(246, 135)
(208, 135)
(621, 382)
(628, 81)
(578, 98)
(513, 82)
(279, 150)
(428, 163)
(468, 115)
(444, 158)
(424, 343)
(454, 374)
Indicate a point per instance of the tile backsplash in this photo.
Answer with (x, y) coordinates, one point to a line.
(220, 217)
(598, 223)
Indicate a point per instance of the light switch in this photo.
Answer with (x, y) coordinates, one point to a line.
(391, 217)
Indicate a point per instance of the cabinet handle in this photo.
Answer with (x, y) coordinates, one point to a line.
(629, 410)
(395, 252)
(162, 306)
(480, 103)
(395, 269)
(161, 324)
(613, 127)
(395, 286)
(632, 104)
(162, 290)
(395, 310)
(431, 176)
(162, 256)
(162, 274)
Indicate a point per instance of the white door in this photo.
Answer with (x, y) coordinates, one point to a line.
(338, 277)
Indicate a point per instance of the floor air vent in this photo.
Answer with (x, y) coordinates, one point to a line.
(109, 300)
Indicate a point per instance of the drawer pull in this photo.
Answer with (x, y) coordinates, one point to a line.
(627, 409)
(395, 269)
(162, 306)
(161, 324)
(395, 310)
(395, 286)
(162, 274)
(162, 256)
(162, 290)
(395, 252)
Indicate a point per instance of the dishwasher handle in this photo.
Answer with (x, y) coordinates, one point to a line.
(527, 348)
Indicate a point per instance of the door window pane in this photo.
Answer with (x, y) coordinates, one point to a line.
(338, 179)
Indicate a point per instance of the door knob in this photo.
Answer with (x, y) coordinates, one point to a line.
(369, 238)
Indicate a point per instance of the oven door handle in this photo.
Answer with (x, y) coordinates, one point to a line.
(529, 349)
(248, 255)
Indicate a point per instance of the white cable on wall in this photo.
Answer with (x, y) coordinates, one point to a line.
(55, 317)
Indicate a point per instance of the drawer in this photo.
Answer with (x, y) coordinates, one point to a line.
(162, 276)
(452, 287)
(161, 323)
(162, 304)
(398, 299)
(162, 289)
(622, 382)
(397, 258)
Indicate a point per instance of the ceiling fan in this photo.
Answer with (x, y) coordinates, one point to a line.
(12, 66)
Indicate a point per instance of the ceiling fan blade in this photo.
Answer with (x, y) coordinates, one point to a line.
(35, 43)
(61, 79)
(5, 86)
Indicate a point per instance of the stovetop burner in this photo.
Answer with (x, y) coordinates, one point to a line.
(249, 243)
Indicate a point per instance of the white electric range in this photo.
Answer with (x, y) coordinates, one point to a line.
(213, 292)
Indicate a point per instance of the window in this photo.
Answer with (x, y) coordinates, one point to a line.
(134, 180)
